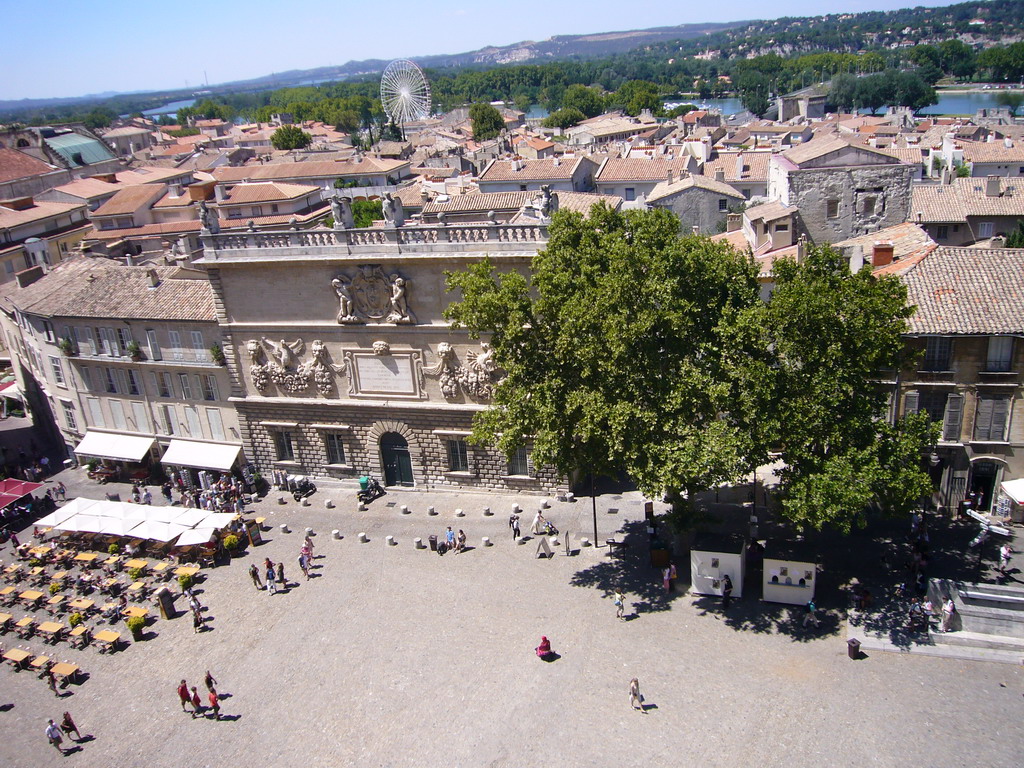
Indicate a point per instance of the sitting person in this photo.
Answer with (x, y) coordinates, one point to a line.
(544, 649)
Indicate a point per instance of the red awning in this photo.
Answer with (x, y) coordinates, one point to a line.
(12, 490)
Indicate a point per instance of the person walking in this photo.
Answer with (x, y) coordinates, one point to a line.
(308, 543)
(214, 705)
(535, 528)
(271, 587)
(53, 734)
(303, 565)
(197, 623)
(68, 726)
(513, 523)
(197, 704)
(620, 605)
(726, 592)
(183, 694)
(811, 617)
(948, 612)
(1004, 558)
(210, 681)
(666, 579)
(254, 573)
(147, 497)
(51, 680)
(449, 538)
(636, 701)
(460, 543)
(280, 574)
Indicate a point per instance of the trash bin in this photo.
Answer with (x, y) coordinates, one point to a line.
(364, 482)
(853, 648)
(433, 543)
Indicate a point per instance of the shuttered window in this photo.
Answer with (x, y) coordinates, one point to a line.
(991, 419)
(953, 418)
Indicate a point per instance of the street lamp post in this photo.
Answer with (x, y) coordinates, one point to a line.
(593, 501)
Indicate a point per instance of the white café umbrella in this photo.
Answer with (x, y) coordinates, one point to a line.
(190, 517)
(117, 526)
(157, 531)
(58, 515)
(195, 536)
(216, 520)
(81, 522)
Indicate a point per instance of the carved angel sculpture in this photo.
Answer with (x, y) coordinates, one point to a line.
(283, 352)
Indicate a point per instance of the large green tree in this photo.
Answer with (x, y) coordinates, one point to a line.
(563, 118)
(586, 100)
(619, 350)
(831, 333)
(290, 137)
(487, 121)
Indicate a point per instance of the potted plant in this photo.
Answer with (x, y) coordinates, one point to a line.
(55, 587)
(67, 347)
(135, 573)
(231, 542)
(91, 465)
(217, 353)
(135, 625)
(134, 350)
(75, 619)
(185, 581)
(114, 549)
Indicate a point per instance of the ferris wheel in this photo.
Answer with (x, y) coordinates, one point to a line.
(404, 92)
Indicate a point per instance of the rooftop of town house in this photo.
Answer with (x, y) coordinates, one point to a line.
(963, 197)
(37, 211)
(130, 199)
(549, 168)
(330, 169)
(751, 166)
(666, 189)
(265, 192)
(18, 165)
(641, 168)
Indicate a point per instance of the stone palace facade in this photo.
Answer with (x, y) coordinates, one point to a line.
(342, 363)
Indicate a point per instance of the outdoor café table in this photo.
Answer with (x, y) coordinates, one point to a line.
(40, 662)
(65, 670)
(106, 639)
(135, 610)
(137, 563)
(54, 602)
(60, 576)
(86, 557)
(112, 560)
(51, 629)
(79, 632)
(37, 551)
(137, 587)
(17, 657)
(35, 573)
(31, 596)
(24, 626)
(7, 593)
(186, 570)
(81, 604)
(5, 619)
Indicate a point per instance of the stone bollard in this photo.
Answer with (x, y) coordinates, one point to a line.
(516, 509)
(389, 540)
(487, 512)
(309, 532)
(417, 543)
(336, 534)
(329, 504)
(431, 511)
(405, 509)
(362, 507)
(584, 542)
(459, 513)
(545, 504)
(362, 537)
(569, 497)
(305, 501)
(284, 528)
(281, 500)
(485, 541)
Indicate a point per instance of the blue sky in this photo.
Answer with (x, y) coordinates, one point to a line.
(72, 48)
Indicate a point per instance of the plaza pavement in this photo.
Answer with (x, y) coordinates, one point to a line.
(393, 656)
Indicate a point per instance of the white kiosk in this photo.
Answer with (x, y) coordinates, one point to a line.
(712, 558)
(788, 576)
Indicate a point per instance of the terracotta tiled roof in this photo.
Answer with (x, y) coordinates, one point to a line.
(125, 130)
(314, 169)
(991, 152)
(89, 188)
(664, 189)
(149, 174)
(90, 287)
(819, 147)
(481, 201)
(641, 169)
(18, 165)
(243, 194)
(530, 170)
(39, 210)
(910, 243)
(943, 203)
(770, 211)
(756, 162)
(968, 291)
(912, 155)
(193, 225)
(582, 202)
(131, 199)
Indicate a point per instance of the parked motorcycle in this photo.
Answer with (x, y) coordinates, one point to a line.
(303, 488)
(370, 490)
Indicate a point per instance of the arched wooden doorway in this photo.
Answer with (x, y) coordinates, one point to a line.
(394, 457)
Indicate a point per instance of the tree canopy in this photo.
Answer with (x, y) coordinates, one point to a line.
(630, 347)
(563, 118)
(290, 137)
(487, 121)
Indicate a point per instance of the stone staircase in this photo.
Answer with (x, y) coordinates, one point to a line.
(989, 620)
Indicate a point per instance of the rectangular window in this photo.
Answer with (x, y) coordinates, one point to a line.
(458, 457)
(140, 416)
(86, 374)
(48, 331)
(937, 352)
(69, 414)
(162, 384)
(942, 232)
(167, 419)
(199, 347)
(95, 412)
(257, 210)
(991, 418)
(109, 380)
(122, 381)
(985, 229)
(90, 337)
(177, 353)
(117, 412)
(519, 464)
(723, 204)
(186, 387)
(283, 444)
(933, 402)
(335, 448)
(134, 383)
(56, 369)
(124, 338)
(209, 384)
(630, 193)
(782, 227)
(216, 423)
(869, 205)
(953, 418)
(154, 345)
(192, 421)
(746, 193)
(831, 209)
(1000, 354)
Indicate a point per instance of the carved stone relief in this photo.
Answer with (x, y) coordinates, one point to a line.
(285, 370)
(372, 295)
(476, 378)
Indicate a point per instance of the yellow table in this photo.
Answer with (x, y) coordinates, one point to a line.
(106, 638)
(112, 559)
(38, 551)
(138, 586)
(162, 566)
(137, 563)
(36, 571)
(18, 656)
(55, 600)
(24, 623)
(82, 604)
(5, 618)
(51, 628)
(186, 570)
(12, 569)
(135, 610)
(39, 662)
(65, 670)
(31, 595)
(78, 632)
(86, 557)
(60, 575)
(7, 591)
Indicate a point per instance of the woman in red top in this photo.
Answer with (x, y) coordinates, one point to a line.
(215, 705)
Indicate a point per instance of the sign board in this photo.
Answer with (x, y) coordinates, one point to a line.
(385, 374)
(253, 531)
(543, 548)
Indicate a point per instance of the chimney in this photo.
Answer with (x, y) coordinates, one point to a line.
(19, 203)
(218, 193)
(882, 253)
(801, 249)
(28, 276)
(175, 189)
(739, 165)
(1008, 142)
(720, 175)
(668, 176)
(154, 278)
(999, 241)
(993, 186)
(556, 162)
(733, 222)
